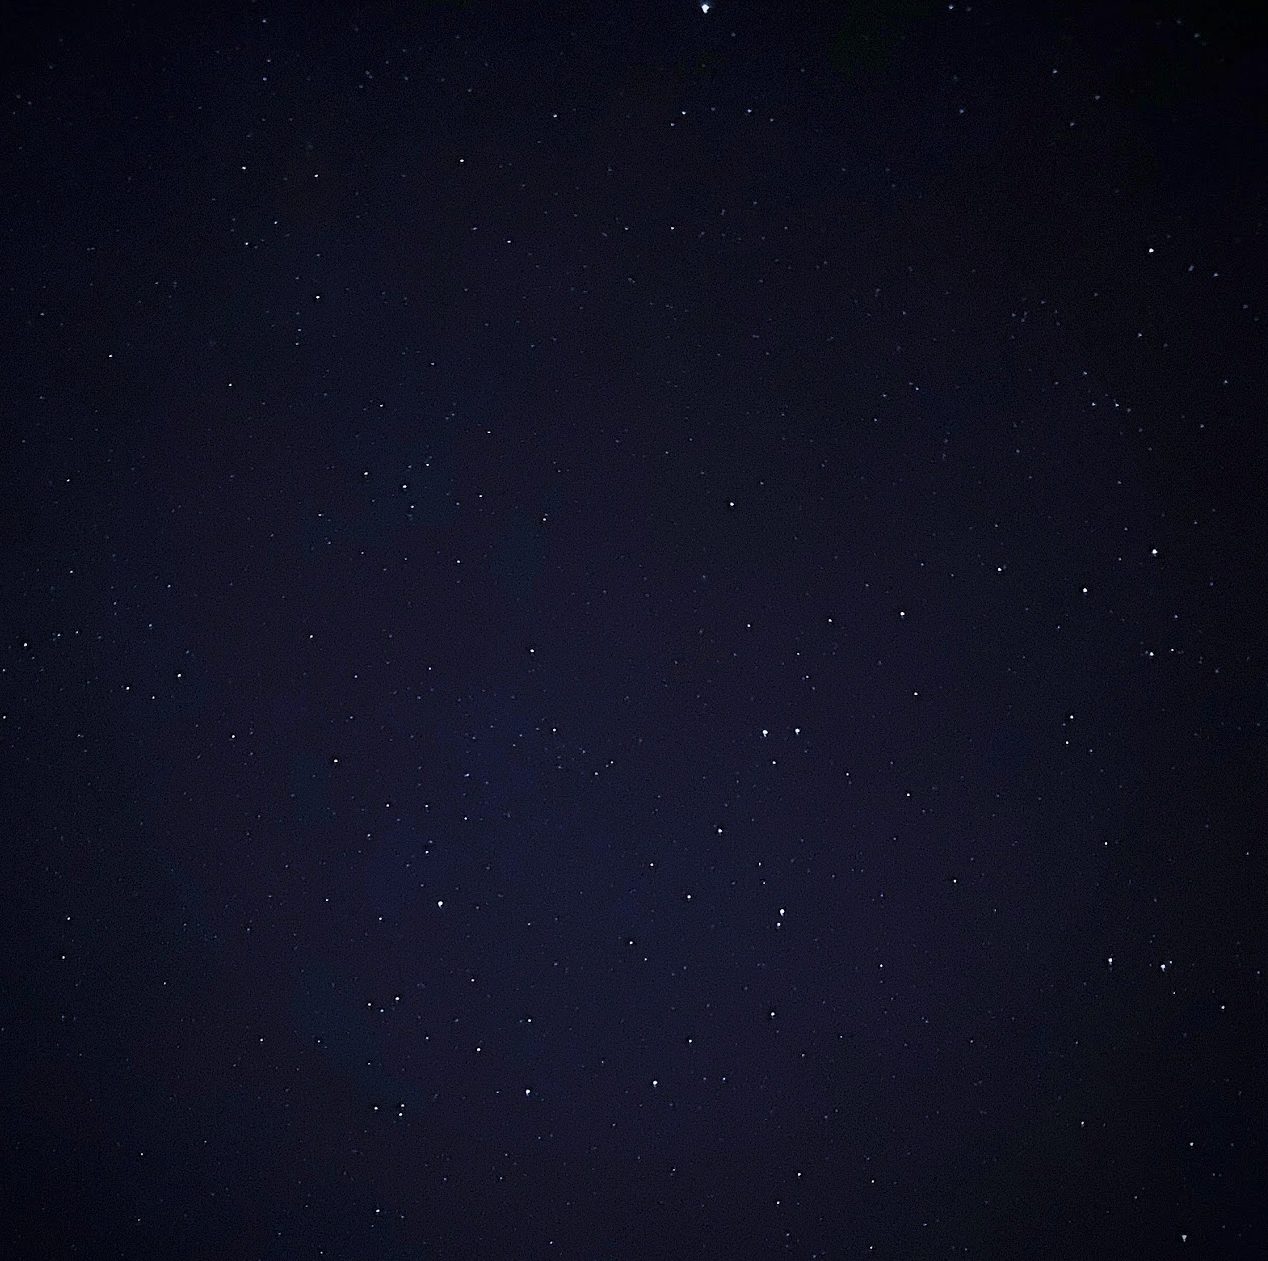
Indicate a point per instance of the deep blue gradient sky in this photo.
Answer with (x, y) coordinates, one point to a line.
(634, 632)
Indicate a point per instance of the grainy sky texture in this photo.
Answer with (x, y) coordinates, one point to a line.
(634, 631)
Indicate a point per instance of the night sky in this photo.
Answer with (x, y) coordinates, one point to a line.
(634, 631)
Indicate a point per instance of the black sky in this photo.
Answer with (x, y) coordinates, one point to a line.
(633, 632)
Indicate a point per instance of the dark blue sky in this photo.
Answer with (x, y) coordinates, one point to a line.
(634, 633)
